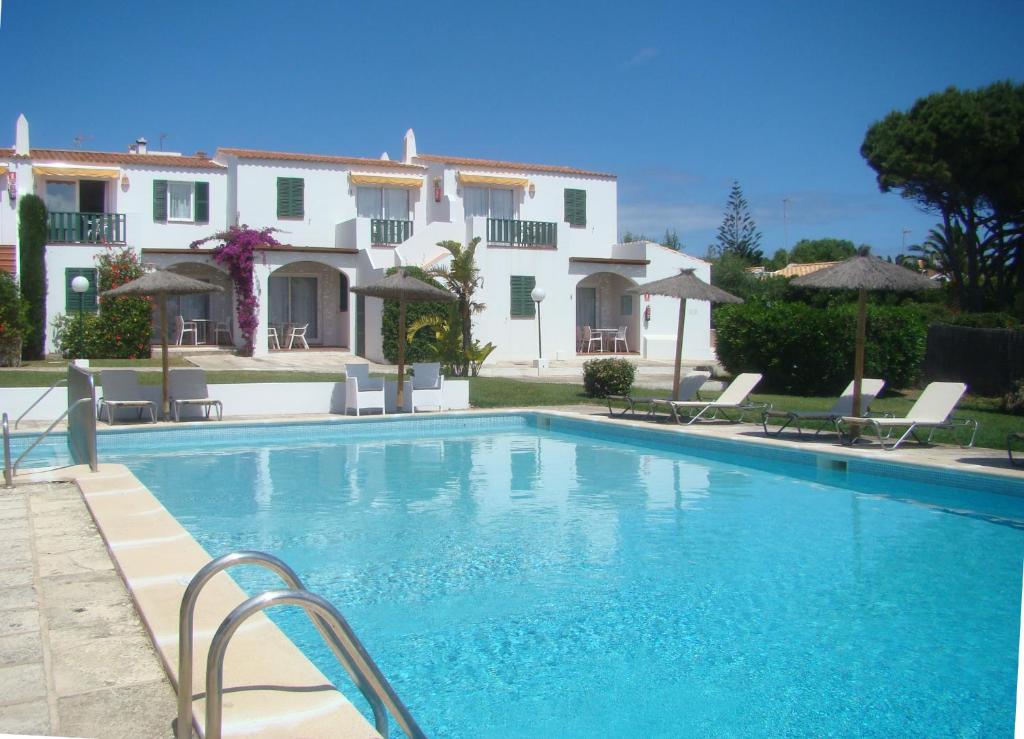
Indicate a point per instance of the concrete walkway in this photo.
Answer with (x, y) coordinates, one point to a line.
(74, 658)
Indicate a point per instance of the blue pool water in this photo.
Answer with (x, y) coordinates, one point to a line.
(518, 580)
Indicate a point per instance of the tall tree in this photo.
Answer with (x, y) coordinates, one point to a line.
(738, 234)
(32, 271)
(960, 155)
(462, 276)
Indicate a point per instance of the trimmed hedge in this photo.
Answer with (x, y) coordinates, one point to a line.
(421, 348)
(610, 376)
(809, 351)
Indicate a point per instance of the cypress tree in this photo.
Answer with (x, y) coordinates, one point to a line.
(32, 271)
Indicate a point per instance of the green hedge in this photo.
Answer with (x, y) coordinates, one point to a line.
(809, 350)
(421, 348)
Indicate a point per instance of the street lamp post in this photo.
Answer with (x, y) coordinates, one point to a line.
(80, 285)
(538, 294)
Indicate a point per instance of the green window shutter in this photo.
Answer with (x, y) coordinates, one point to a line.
(159, 200)
(522, 305)
(85, 302)
(290, 197)
(202, 205)
(576, 207)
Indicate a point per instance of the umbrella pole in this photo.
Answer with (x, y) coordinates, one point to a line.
(400, 393)
(679, 349)
(858, 352)
(165, 404)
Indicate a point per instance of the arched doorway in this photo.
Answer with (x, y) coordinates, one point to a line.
(603, 304)
(311, 294)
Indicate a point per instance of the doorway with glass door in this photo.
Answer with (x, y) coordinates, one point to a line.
(292, 306)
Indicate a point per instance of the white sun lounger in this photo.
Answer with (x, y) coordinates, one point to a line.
(733, 398)
(121, 390)
(933, 410)
(689, 386)
(188, 388)
(869, 390)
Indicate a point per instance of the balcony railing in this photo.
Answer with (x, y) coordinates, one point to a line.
(521, 233)
(86, 228)
(389, 232)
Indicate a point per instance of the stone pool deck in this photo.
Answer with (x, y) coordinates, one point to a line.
(75, 658)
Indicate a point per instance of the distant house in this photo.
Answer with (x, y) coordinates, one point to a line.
(344, 221)
(793, 269)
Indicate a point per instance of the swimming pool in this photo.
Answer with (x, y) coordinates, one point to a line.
(523, 575)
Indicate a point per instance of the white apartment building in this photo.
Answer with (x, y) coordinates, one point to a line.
(343, 221)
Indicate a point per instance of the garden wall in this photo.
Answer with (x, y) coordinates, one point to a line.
(987, 359)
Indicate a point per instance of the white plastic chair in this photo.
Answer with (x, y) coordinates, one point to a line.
(427, 386)
(620, 338)
(272, 338)
(222, 327)
(182, 328)
(121, 390)
(298, 332)
(187, 387)
(361, 390)
(589, 339)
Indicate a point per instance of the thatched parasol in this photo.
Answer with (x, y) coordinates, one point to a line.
(403, 288)
(161, 283)
(863, 273)
(685, 286)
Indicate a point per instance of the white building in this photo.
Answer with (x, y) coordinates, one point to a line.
(343, 222)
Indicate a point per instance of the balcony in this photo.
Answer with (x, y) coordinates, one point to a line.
(388, 233)
(521, 233)
(86, 228)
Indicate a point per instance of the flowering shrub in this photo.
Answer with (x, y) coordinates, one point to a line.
(237, 253)
(14, 321)
(122, 328)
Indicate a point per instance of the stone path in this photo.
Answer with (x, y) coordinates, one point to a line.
(74, 658)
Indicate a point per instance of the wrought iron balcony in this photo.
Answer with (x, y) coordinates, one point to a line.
(86, 228)
(384, 232)
(521, 233)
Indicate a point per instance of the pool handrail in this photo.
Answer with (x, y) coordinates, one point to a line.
(59, 383)
(9, 470)
(329, 622)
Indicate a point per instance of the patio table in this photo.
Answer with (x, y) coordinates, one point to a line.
(202, 330)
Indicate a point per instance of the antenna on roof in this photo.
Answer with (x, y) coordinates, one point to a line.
(81, 139)
(162, 137)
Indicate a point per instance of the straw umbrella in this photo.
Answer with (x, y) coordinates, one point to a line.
(685, 286)
(159, 284)
(863, 273)
(403, 288)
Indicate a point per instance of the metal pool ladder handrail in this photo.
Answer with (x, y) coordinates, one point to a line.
(8, 469)
(60, 383)
(333, 627)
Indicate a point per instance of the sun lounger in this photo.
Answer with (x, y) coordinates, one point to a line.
(1010, 439)
(933, 410)
(121, 390)
(733, 398)
(869, 390)
(688, 389)
(188, 389)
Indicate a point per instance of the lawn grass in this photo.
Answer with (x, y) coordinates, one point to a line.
(53, 365)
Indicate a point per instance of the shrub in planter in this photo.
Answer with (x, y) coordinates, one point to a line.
(604, 377)
(14, 321)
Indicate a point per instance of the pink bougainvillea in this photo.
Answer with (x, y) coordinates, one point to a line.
(237, 254)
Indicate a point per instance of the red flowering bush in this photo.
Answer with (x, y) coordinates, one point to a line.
(237, 254)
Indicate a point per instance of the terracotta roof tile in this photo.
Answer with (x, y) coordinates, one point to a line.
(288, 156)
(78, 156)
(519, 166)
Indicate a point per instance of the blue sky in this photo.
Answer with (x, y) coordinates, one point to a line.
(678, 99)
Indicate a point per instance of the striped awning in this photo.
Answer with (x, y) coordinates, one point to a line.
(488, 180)
(385, 180)
(94, 173)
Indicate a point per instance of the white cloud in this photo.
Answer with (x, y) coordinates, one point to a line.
(642, 57)
(652, 219)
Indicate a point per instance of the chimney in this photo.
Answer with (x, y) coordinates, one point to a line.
(21, 137)
(201, 154)
(140, 145)
(409, 144)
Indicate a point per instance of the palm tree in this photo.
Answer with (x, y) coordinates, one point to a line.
(462, 277)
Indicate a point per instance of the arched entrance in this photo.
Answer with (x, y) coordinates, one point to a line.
(603, 304)
(311, 294)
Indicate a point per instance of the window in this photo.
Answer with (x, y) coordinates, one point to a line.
(387, 203)
(522, 304)
(75, 303)
(290, 197)
(489, 202)
(576, 207)
(293, 300)
(626, 305)
(182, 202)
(61, 197)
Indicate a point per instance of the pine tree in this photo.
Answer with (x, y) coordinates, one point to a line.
(738, 234)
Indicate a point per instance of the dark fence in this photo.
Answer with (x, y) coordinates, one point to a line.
(987, 359)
